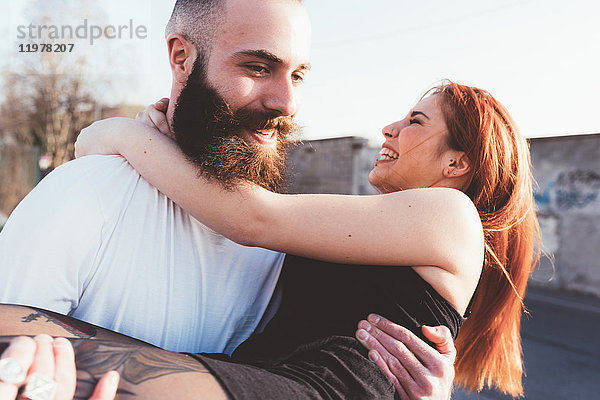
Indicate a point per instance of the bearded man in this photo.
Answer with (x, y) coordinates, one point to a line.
(110, 249)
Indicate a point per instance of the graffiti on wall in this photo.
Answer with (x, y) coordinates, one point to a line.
(571, 190)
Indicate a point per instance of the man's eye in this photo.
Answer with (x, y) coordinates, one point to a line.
(298, 78)
(257, 69)
(415, 121)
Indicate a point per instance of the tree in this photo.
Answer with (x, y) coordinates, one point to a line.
(47, 98)
(46, 110)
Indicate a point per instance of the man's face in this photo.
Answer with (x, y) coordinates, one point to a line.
(245, 95)
(208, 131)
(259, 58)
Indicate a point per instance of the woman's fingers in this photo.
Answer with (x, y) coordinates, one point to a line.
(155, 119)
(96, 138)
(162, 104)
(159, 119)
(143, 116)
(107, 386)
(66, 373)
(20, 351)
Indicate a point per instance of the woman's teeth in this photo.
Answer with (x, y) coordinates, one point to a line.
(387, 154)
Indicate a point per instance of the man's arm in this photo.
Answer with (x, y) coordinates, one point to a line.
(146, 371)
(16, 320)
(149, 372)
(416, 369)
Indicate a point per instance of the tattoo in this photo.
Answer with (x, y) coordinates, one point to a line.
(73, 326)
(85, 388)
(136, 363)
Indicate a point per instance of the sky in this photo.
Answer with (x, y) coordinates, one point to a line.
(371, 60)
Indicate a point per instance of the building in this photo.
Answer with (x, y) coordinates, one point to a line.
(567, 172)
(339, 165)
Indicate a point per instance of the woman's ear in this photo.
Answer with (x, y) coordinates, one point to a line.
(182, 55)
(457, 165)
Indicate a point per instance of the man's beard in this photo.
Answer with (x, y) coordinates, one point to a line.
(207, 130)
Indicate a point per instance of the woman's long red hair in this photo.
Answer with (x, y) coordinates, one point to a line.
(489, 343)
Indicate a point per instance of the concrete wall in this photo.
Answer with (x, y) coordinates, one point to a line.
(567, 170)
(339, 165)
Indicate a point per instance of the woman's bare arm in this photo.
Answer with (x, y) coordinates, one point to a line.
(425, 227)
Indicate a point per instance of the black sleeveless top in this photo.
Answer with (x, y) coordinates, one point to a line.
(323, 299)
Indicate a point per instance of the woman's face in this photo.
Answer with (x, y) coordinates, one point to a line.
(414, 152)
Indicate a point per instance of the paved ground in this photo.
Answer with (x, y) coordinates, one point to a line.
(561, 346)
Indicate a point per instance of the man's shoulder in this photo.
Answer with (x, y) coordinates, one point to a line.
(96, 174)
(93, 166)
(83, 184)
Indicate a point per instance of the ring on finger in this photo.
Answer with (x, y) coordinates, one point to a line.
(40, 388)
(11, 371)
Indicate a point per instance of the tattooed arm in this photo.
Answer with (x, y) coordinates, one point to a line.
(147, 372)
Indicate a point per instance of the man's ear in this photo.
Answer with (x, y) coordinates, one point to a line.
(182, 55)
(457, 164)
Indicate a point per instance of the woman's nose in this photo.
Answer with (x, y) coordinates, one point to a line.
(391, 130)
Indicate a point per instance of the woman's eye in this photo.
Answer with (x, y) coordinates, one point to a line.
(414, 121)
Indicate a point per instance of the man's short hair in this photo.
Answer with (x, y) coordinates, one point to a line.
(198, 21)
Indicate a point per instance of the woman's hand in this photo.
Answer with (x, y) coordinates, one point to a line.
(416, 369)
(155, 117)
(46, 366)
(102, 136)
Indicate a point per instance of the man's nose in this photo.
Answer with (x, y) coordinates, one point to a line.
(281, 97)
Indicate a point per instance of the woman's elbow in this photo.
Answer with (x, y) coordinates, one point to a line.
(256, 220)
(249, 230)
(243, 235)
